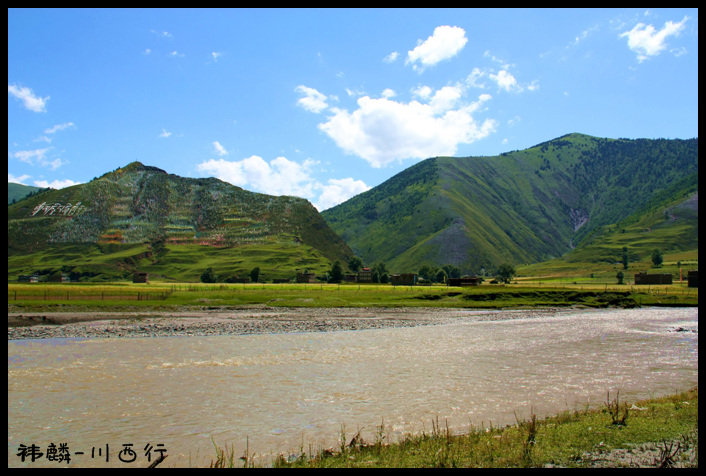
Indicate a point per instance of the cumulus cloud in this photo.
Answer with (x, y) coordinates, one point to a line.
(383, 131)
(282, 176)
(313, 100)
(28, 98)
(646, 41)
(338, 191)
(506, 81)
(444, 43)
(277, 177)
(55, 184)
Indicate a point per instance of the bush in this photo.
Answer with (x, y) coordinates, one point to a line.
(209, 276)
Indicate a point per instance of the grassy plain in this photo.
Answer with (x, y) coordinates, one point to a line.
(526, 293)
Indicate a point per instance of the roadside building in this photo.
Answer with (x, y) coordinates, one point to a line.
(306, 277)
(365, 275)
(140, 277)
(693, 278)
(403, 279)
(464, 281)
(657, 278)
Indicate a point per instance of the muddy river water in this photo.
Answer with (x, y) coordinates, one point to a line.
(278, 393)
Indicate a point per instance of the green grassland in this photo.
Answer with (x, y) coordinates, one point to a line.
(175, 263)
(165, 295)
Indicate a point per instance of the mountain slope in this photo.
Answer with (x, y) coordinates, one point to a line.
(158, 216)
(18, 191)
(520, 207)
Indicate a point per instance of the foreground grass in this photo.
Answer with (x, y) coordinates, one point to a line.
(656, 432)
(164, 296)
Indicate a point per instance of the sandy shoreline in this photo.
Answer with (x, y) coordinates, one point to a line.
(260, 320)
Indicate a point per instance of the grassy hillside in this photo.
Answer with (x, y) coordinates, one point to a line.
(520, 207)
(672, 228)
(18, 191)
(141, 218)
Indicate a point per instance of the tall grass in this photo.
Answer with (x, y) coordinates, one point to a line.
(578, 438)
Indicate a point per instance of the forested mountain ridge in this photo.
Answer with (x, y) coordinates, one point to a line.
(519, 207)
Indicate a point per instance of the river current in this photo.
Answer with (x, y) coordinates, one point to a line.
(120, 399)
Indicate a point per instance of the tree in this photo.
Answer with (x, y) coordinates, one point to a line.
(657, 258)
(336, 275)
(452, 271)
(625, 257)
(441, 276)
(425, 272)
(209, 276)
(354, 264)
(506, 272)
(380, 268)
(620, 277)
(255, 274)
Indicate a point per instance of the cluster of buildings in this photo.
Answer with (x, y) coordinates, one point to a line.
(692, 278)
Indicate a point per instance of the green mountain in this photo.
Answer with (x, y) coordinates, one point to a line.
(141, 218)
(18, 191)
(520, 207)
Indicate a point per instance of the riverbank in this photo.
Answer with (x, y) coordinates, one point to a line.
(185, 321)
(654, 433)
(222, 321)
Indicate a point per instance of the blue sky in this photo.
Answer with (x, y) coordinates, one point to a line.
(324, 104)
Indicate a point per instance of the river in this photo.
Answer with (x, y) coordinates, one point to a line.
(279, 393)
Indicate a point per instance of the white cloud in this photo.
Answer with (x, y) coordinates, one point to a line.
(277, 177)
(30, 101)
(215, 55)
(220, 150)
(389, 93)
(21, 179)
(391, 57)
(445, 43)
(382, 131)
(422, 92)
(283, 177)
(646, 41)
(165, 134)
(445, 98)
(338, 191)
(59, 127)
(163, 34)
(55, 164)
(32, 157)
(475, 78)
(313, 100)
(506, 81)
(56, 184)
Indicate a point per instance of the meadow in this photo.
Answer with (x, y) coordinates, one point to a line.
(523, 293)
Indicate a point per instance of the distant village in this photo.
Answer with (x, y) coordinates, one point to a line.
(365, 275)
